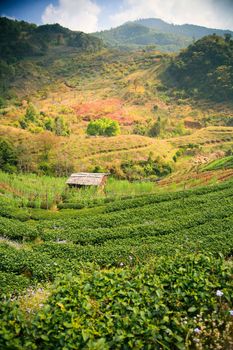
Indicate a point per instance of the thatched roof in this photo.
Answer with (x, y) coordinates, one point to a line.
(86, 179)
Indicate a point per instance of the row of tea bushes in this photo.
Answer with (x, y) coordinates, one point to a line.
(181, 302)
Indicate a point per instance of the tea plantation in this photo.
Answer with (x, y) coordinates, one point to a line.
(147, 272)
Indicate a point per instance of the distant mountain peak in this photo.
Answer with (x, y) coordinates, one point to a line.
(189, 30)
(165, 36)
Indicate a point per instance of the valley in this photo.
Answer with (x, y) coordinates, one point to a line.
(144, 262)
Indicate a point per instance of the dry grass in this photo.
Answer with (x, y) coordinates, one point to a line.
(34, 299)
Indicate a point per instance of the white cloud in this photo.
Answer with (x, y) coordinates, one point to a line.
(73, 14)
(175, 11)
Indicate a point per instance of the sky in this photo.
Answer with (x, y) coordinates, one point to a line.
(93, 15)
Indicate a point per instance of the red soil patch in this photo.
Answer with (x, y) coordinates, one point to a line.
(110, 108)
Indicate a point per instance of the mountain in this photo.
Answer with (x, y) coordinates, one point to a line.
(19, 39)
(48, 97)
(188, 30)
(205, 68)
(135, 35)
(153, 31)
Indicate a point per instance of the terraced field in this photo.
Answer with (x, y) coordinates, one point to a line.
(144, 226)
(205, 136)
(164, 260)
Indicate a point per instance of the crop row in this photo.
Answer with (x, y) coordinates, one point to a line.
(166, 215)
(172, 303)
(45, 261)
(153, 219)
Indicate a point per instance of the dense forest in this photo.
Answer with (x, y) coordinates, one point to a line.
(154, 31)
(134, 35)
(19, 39)
(188, 30)
(205, 69)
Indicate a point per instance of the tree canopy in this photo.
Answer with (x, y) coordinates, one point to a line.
(205, 68)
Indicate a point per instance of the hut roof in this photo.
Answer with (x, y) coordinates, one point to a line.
(86, 179)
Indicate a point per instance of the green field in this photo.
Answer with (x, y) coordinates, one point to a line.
(142, 271)
(223, 163)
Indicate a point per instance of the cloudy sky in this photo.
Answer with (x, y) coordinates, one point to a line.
(93, 15)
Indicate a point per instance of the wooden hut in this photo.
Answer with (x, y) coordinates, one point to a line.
(87, 179)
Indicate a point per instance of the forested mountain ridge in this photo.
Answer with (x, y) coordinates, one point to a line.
(135, 35)
(153, 31)
(205, 68)
(19, 39)
(188, 30)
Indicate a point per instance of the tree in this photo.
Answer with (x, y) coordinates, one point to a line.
(31, 113)
(8, 157)
(205, 69)
(156, 128)
(48, 124)
(2, 102)
(61, 128)
(103, 127)
(227, 37)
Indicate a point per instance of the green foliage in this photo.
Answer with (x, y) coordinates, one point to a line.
(140, 128)
(19, 39)
(37, 122)
(16, 230)
(186, 30)
(222, 163)
(149, 168)
(2, 102)
(49, 124)
(206, 68)
(161, 287)
(134, 35)
(30, 190)
(103, 127)
(31, 114)
(61, 127)
(11, 283)
(8, 156)
(169, 303)
(9, 208)
(156, 128)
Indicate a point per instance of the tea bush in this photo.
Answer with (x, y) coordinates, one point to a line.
(135, 273)
(171, 303)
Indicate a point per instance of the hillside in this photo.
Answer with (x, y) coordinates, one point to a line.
(144, 262)
(188, 30)
(48, 101)
(205, 68)
(153, 31)
(133, 35)
(19, 39)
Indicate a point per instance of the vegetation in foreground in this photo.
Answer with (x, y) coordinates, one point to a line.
(172, 303)
(119, 274)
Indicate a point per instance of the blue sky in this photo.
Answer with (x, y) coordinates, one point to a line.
(92, 15)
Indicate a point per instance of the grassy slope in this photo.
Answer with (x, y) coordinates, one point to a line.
(117, 85)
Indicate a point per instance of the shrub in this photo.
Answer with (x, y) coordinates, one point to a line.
(61, 127)
(156, 128)
(31, 113)
(172, 303)
(103, 127)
